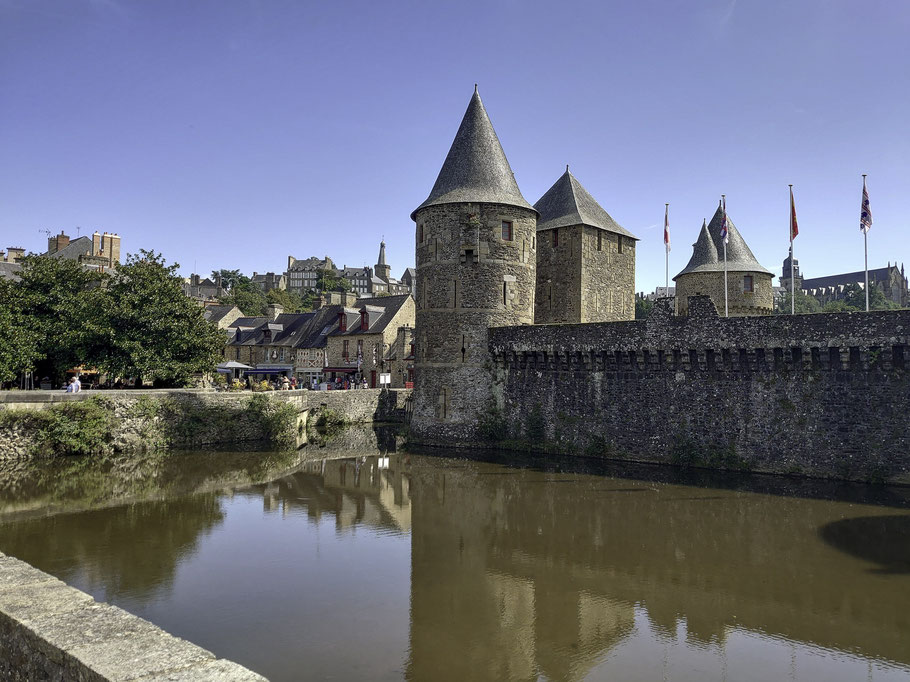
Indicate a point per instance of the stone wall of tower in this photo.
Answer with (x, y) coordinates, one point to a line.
(469, 279)
(588, 277)
(760, 301)
(559, 271)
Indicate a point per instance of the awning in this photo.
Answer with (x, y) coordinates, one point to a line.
(233, 364)
(266, 369)
(340, 370)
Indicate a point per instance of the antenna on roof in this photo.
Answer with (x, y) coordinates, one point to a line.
(78, 230)
(47, 232)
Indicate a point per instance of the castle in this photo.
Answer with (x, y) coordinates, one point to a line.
(487, 258)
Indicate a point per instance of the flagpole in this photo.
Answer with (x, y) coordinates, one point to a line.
(792, 260)
(866, 251)
(666, 252)
(724, 240)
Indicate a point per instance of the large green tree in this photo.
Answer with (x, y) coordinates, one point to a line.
(18, 338)
(57, 298)
(230, 278)
(803, 304)
(150, 328)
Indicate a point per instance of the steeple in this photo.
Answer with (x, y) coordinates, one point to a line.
(476, 169)
(567, 203)
(381, 270)
(708, 251)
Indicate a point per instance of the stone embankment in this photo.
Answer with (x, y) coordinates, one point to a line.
(41, 423)
(51, 631)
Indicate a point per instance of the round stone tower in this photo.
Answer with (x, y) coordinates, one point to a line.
(476, 263)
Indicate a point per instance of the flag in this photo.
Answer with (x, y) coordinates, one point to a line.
(723, 223)
(794, 228)
(865, 213)
(667, 228)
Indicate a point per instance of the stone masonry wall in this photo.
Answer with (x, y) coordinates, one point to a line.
(740, 302)
(468, 279)
(152, 419)
(822, 395)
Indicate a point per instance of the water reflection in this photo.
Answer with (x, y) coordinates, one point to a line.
(299, 568)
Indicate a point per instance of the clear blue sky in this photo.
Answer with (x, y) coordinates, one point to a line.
(233, 133)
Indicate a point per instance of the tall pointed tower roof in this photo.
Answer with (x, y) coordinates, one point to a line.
(568, 203)
(707, 252)
(476, 169)
(381, 260)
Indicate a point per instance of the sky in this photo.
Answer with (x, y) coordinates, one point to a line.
(233, 133)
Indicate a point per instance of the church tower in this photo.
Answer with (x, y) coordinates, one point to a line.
(476, 263)
(381, 270)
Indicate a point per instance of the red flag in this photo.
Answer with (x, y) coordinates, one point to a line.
(667, 227)
(794, 228)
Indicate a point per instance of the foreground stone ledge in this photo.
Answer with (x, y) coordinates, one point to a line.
(51, 631)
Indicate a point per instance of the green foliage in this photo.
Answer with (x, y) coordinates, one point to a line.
(230, 278)
(840, 307)
(329, 280)
(493, 427)
(803, 304)
(278, 419)
(535, 426)
(72, 428)
(643, 308)
(18, 339)
(855, 296)
(57, 304)
(248, 297)
(150, 329)
(291, 301)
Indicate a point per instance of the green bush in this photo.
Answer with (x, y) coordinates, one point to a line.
(72, 428)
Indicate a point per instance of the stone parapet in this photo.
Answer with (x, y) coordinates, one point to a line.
(51, 631)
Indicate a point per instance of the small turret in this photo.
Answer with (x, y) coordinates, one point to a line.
(381, 270)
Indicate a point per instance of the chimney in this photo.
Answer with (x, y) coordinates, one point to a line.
(96, 243)
(194, 279)
(291, 261)
(115, 248)
(273, 311)
(350, 298)
(14, 254)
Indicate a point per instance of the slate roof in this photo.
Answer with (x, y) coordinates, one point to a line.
(878, 274)
(476, 168)
(10, 271)
(81, 246)
(707, 252)
(381, 309)
(216, 313)
(568, 203)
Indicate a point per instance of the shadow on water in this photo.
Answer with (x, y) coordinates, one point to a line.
(769, 484)
(882, 540)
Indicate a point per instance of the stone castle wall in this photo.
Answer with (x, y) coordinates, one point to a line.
(760, 301)
(813, 394)
(586, 278)
(468, 280)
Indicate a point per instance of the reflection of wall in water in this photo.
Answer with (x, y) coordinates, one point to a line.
(374, 491)
(570, 559)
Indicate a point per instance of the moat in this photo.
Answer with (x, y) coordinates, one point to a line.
(383, 565)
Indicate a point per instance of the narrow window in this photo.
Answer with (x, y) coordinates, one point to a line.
(505, 293)
(360, 349)
(600, 245)
(747, 284)
(463, 349)
(344, 350)
(555, 238)
(420, 233)
(342, 322)
(454, 293)
(618, 244)
(507, 230)
(469, 255)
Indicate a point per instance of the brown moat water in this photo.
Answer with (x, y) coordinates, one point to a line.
(386, 566)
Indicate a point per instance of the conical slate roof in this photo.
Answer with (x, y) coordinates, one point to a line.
(708, 251)
(568, 203)
(476, 169)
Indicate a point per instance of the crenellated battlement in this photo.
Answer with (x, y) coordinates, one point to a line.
(821, 394)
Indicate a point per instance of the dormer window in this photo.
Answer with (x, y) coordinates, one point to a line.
(364, 320)
(342, 322)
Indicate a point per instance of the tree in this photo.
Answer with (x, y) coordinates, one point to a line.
(804, 304)
(57, 296)
(18, 338)
(329, 280)
(152, 329)
(230, 278)
(855, 296)
(291, 301)
(642, 307)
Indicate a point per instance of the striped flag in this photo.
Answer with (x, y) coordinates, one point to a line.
(667, 227)
(865, 213)
(723, 223)
(794, 228)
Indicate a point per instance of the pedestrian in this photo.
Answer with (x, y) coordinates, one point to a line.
(77, 384)
(71, 385)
